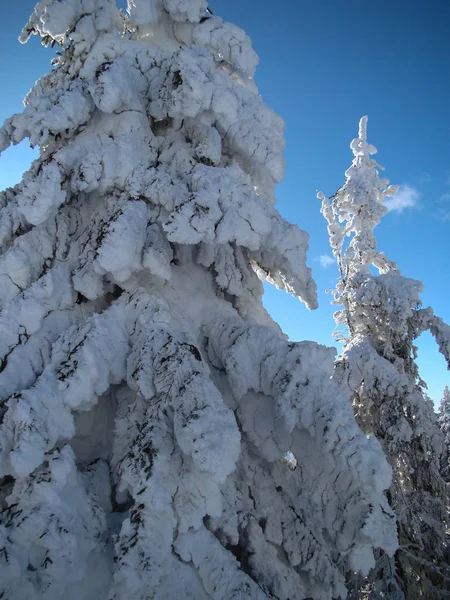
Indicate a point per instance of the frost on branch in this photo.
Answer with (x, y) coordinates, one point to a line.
(444, 424)
(382, 315)
(147, 400)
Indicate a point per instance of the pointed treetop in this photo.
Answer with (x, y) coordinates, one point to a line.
(362, 132)
(356, 209)
(359, 145)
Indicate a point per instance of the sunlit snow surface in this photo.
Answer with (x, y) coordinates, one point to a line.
(148, 398)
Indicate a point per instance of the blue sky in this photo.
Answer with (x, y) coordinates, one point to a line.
(323, 65)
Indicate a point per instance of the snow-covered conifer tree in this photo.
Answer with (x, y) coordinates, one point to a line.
(147, 399)
(444, 423)
(382, 316)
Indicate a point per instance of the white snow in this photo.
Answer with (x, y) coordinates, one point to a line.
(147, 397)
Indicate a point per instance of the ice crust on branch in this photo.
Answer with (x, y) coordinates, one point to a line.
(382, 315)
(147, 400)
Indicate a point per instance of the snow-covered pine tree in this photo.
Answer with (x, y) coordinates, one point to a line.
(444, 423)
(382, 316)
(147, 399)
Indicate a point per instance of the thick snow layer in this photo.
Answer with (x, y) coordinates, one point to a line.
(48, 535)
(56, 113)
(147, 399)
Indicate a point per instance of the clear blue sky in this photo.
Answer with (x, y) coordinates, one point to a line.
(323, 65)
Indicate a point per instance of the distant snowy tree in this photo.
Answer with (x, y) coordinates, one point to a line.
(148, 401)
(382, 316)
(444, 423)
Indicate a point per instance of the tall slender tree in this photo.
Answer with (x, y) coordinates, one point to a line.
(444, 423)
(381, 318)
(147, 398)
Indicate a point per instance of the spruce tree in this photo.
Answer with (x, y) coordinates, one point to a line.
(444, 423)
(380, 318)
(148, 401)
